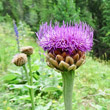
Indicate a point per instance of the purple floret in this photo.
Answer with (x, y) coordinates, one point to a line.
(67, 37)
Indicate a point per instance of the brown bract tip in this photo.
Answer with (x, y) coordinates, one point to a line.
(28, 50)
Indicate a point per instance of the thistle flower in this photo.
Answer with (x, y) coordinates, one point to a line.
(19, 59)
(63, 41)
(28, 50)
(66, 46)
(67, 37)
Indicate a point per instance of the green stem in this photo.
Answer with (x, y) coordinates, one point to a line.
(31, 83)
(27, 76)
(68, 78)
(22, 73)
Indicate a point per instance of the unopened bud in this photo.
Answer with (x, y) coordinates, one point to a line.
(28, 50)
(19, 59)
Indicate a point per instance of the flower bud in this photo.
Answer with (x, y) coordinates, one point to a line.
(28, 50)
(19, 59)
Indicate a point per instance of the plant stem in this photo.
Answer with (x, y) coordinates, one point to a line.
(68, 78)
(31, 83)
(27, 75)
(21, 69)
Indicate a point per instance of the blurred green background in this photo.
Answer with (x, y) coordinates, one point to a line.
(92, 82)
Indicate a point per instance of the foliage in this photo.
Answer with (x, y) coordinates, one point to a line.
(85, 14)
(34, 13)
(65, 10)
(105, 31)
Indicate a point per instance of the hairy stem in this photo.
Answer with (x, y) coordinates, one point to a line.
(31, 83)
(68, 78)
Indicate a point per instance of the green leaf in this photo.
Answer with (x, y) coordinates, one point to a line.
(35, 67)
(50, 89)
(16, 81)
(18, 72)
(9, 77)
(24, 97)
(28, 86)
(14, 86)
(40, 107)
(36, 75)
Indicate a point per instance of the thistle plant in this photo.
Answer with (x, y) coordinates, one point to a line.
(29, 51)
(21, 60)
(66, 47)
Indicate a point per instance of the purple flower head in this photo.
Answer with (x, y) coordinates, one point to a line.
(67, 37)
